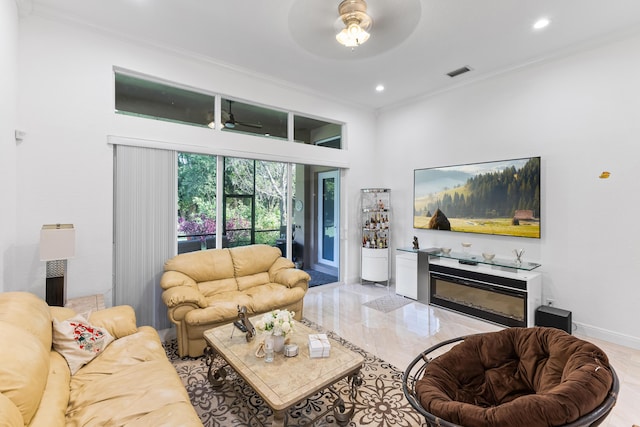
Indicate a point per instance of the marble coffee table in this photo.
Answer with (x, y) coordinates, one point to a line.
(287, 380)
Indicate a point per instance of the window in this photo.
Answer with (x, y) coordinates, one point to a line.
(317, 132)
(247, 118)
(139, 97)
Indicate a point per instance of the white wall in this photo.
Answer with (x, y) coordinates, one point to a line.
(581, 114)
(66, 105)
(8, 84)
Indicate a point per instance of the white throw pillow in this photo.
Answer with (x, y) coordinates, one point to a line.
(79, 341)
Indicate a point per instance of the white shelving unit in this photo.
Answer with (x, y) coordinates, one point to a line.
(375, 215)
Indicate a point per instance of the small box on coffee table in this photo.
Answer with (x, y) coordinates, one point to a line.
(319, 346)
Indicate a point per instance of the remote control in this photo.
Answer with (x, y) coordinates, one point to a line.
(466, 262)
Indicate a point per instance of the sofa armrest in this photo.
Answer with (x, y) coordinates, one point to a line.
(283, 272)
(292, 277)
(179, 295)
(172, 279)
(120, 320)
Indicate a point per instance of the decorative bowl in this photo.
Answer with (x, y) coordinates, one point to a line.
(466, 245)
(445, 251)
(487, 256)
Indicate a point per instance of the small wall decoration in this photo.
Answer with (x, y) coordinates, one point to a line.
(501, 197)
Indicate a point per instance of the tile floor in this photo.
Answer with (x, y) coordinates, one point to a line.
(400, 335)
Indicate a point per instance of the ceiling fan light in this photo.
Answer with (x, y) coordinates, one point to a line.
(354, 30)
(362, 36)
(356, 21)
(344, 38)
(352, 36)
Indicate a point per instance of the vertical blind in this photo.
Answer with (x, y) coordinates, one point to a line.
(145, 191)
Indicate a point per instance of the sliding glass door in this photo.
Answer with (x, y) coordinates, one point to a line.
(256, 208)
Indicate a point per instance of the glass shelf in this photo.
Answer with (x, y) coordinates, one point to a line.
(408, 249)
(479, 259)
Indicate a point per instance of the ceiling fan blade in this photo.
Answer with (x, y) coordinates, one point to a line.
(230, 121)
(250, 125)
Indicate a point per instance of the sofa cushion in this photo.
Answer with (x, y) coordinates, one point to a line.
(130, 384)
(22, 379)
(203, 266)
(79, 341)
(222, 307)
(257, 279)
(252, 259)
(213, 287)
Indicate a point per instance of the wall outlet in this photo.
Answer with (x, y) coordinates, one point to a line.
(550, 302)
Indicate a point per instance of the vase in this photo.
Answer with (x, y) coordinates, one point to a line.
(278, 343)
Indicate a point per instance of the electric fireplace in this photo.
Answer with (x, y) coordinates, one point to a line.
(503, 297)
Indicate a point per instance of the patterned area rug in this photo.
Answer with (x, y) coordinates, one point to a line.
(379, 402)
(388, 303)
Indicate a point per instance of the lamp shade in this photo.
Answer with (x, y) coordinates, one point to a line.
(57, 241)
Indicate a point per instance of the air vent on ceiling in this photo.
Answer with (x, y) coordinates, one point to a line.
(459, 71)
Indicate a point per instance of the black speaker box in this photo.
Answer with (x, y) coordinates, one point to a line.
(554, 318)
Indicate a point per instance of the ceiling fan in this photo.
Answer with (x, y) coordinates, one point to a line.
(230, 121)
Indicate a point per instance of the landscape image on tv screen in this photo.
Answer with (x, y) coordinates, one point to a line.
(501, 197)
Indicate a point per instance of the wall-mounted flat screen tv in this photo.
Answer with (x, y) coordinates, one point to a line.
(501, 197)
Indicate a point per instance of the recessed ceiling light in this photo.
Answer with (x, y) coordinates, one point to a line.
(541, 23)
(379, 88)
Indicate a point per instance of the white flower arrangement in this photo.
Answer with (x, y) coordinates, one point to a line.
(278, 322)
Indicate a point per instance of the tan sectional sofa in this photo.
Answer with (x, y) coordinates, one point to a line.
(203, 289)
(130, 383)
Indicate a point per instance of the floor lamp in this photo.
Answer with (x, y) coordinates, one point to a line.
(57, 244)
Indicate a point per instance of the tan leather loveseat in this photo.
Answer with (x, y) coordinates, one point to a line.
(131, 383)
(203, 289)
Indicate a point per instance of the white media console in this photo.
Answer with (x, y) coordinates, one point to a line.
(501, 291)
(505, 295)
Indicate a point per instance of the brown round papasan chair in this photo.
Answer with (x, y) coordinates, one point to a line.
(533, 377)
